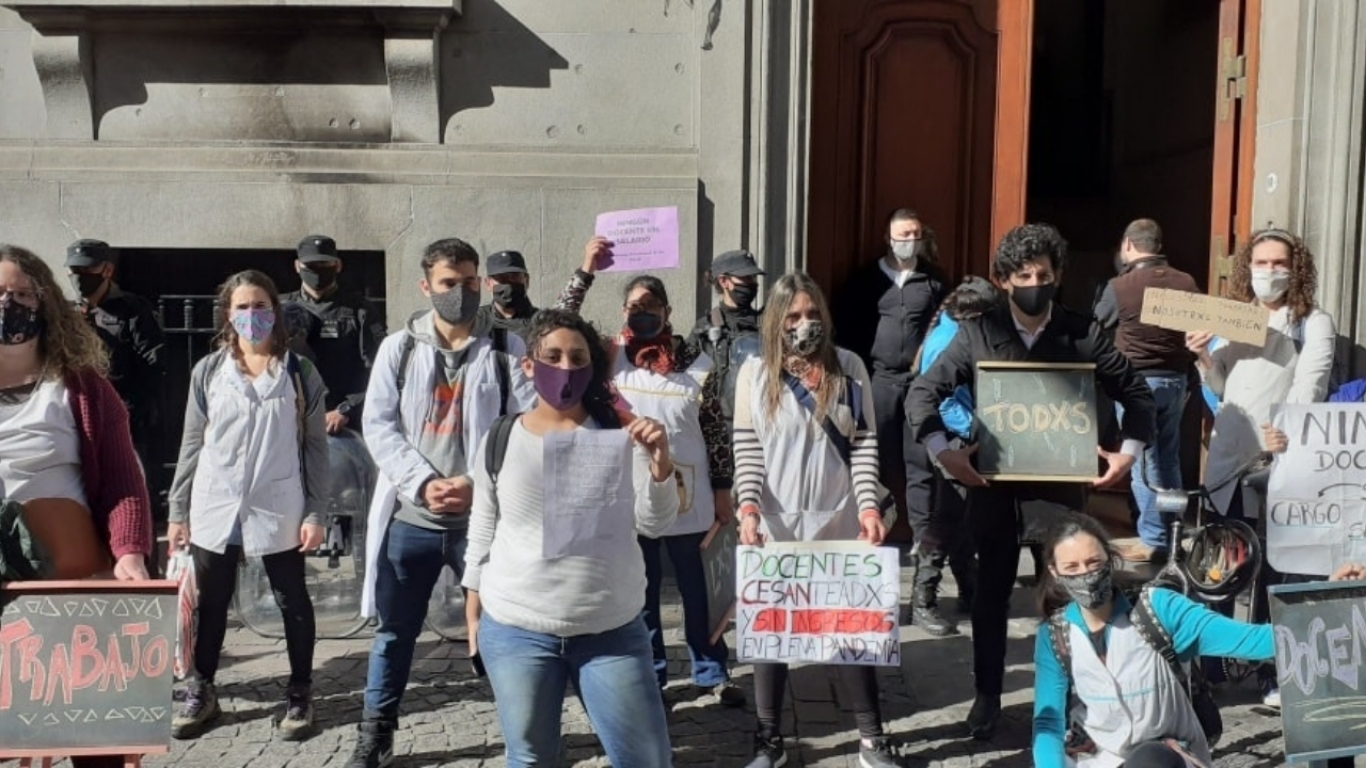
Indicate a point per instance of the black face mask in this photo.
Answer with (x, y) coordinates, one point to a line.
(1034, 300)
(19, 324)
(744, 294)
(509, 295)
(456, 306)
(86, 283)
(318, 279)
(644, 325)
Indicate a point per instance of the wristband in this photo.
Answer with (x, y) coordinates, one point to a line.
(865, 513)
(749, 508)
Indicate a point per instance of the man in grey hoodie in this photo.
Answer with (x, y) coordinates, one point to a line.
(435, 391)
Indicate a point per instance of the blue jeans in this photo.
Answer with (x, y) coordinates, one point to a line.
(410, 562)
(612, 673)
(708, 661)
(1160, 465)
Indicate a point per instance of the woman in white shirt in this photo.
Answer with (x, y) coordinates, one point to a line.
(252, 479)
(555, 577)
(806, 469)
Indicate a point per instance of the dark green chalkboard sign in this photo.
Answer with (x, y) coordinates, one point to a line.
(1320, 640)
(1036, 421)
(85, 667)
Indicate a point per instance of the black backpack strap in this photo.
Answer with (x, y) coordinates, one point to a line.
(404, 357)
(294, 366)
(1060, 635)
(1157, 637)
(497, 449)
(499, 336)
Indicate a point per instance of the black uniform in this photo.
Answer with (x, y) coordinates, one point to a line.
(342, 335)
(728, 335)
(487, 319)
(129, 327)
(996, 513)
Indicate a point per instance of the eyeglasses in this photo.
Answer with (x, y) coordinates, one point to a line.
(21, 295)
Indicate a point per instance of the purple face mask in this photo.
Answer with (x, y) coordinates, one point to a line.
(254, 325)
(561, 388)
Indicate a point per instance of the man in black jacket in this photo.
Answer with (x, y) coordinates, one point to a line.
(507, 281)
(1028, 268)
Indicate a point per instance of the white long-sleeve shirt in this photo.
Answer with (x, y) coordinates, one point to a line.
(565, 596)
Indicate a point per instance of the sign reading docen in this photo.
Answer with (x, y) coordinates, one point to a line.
(829, 602)
(86, 665)
(1036, 421)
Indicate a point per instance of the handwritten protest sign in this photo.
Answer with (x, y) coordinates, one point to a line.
(828, 602)
(1037, 421)
(1320, 631)
(1186, 311)
(85, 667)
(1316, 495)
(645, 238)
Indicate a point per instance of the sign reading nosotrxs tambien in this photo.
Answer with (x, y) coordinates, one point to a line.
(86, 666)
(828, 602)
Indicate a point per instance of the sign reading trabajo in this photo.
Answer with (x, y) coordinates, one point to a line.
(1320, 639)
(85, 667)
(1185, 311)
(1037, 421)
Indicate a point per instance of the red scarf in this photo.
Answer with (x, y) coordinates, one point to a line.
(655, 355)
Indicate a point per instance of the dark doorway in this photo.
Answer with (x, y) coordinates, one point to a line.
(183, 284)
(1122, 121)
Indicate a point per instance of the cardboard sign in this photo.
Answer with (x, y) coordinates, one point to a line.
(1037, 421)
(1316, 495)
(1185, 311)
(828, 602)
(1320, 632)
(85, 667)
(645, 238)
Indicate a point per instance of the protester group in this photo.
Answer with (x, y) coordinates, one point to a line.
(790, 421)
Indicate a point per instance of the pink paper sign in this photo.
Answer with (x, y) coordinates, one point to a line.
(646, 238)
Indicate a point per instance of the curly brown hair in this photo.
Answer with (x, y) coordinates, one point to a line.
(227, 335)
(1304, 276)
(68, 346)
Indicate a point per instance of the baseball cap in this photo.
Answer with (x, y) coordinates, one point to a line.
(88, 253)
(504, 262)
(318, 249)
(736, 263)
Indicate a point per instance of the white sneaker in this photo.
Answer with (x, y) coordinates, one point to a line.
(1272, 698)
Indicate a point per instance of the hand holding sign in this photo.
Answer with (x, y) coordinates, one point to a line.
(645, 238)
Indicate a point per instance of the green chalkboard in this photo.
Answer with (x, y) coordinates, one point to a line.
(1036, 421)
(1320, 633)
(85, 667)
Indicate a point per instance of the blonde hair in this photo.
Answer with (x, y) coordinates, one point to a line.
(780, 297)
(68, 345)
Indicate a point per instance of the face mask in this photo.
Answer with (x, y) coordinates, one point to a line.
(1033, 300)
(1269, 285)
(253, 325)
(806, 337)
(1090, 590)
(318, 279)
(744, 294)
(87, 284)
(509, 294)
(907, 250)
(456, 306)
(19, 324)
(560, 388)
(644, 325)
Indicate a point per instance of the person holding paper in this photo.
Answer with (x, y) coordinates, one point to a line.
(806, 470)
(547, 604)
(435, 391)
(1031, 327)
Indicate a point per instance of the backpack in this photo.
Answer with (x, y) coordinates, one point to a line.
(1157, 637)
(294, 367)
(499, 337)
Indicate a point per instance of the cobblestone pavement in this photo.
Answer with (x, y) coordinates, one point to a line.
(449, 717)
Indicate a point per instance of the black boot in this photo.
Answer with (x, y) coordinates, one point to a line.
(929, 571)
(374, 745)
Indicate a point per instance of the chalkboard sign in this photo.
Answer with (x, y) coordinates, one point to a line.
(85, 667)
(1036, 421)
(1320, 636)
(718, 558)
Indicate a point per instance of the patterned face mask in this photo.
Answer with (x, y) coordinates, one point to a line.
(253, 324)
(1090, 590)
(805, 337)
(19, 323)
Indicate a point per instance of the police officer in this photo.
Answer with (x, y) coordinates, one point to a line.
(507, 281)
(342, 330)
(131, 331)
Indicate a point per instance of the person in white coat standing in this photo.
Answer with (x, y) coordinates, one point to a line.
(252, 479)
(434, 391)
(806, 469)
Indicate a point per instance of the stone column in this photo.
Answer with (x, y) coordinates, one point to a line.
(62, 57)
(412, 60)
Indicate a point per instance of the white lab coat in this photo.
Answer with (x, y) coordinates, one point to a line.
(390, 418)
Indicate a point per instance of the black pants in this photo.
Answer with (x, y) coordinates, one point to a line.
(1154, 754)
(217, 577)
(858, 685)
(900, 457)
(997, 515)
